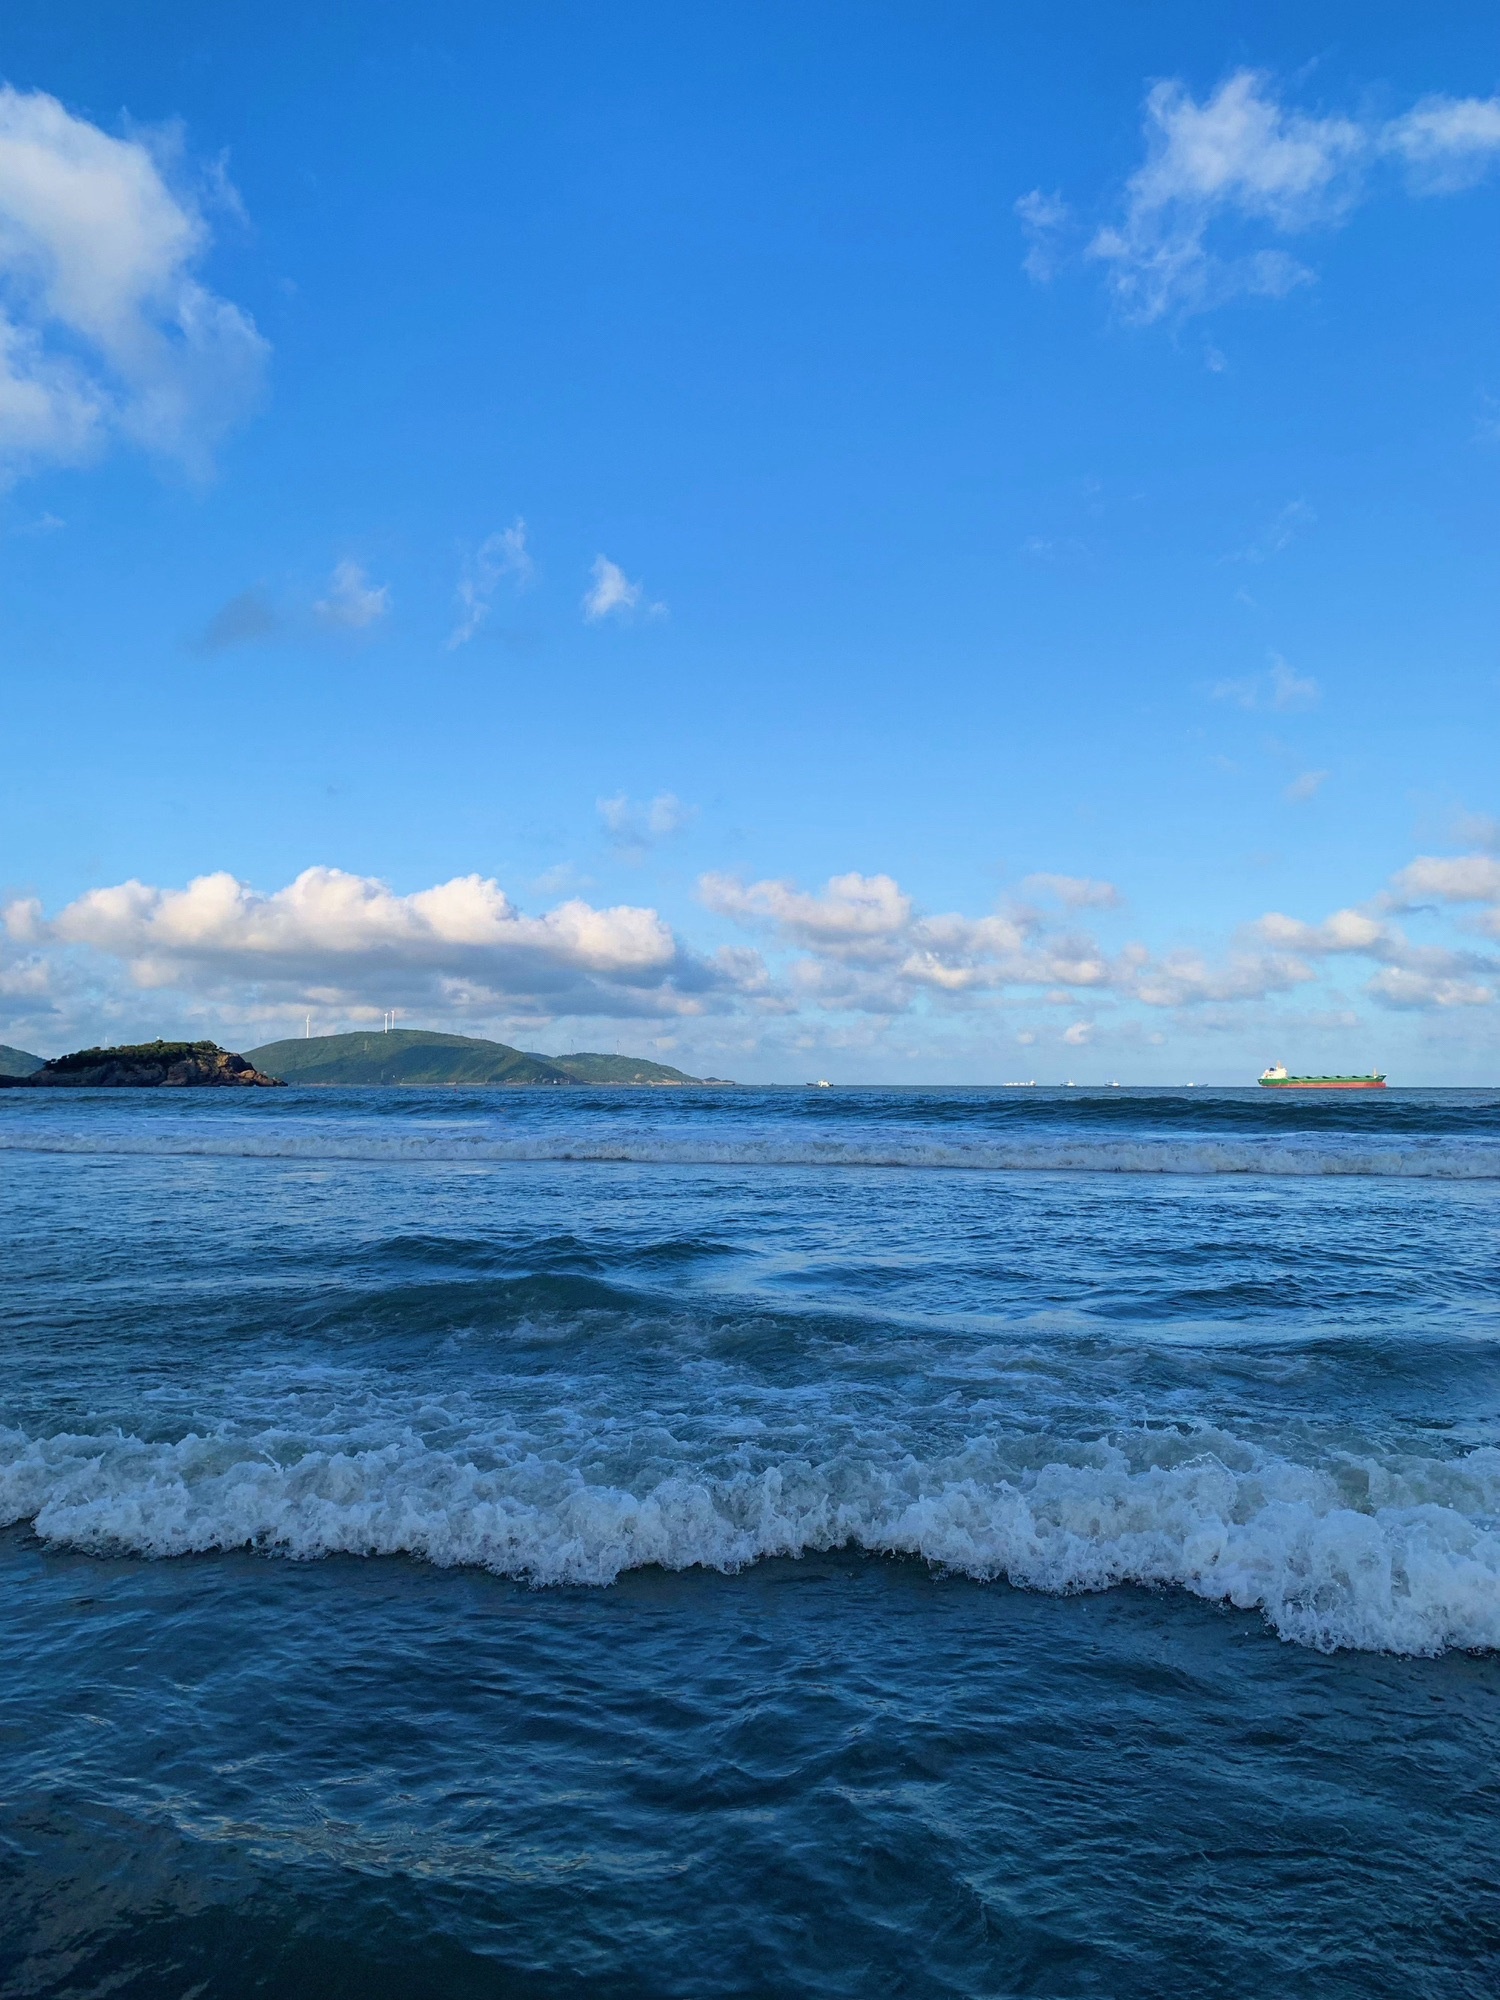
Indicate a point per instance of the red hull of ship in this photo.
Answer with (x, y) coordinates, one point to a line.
(1373, 1084)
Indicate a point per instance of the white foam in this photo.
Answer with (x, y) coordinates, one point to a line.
(1463, 1159)
(1397, 1554)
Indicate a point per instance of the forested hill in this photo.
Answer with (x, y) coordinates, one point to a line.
(16, 1062)
(587, 1068)
(416, 1057)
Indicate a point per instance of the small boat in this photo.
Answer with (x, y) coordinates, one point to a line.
(1276, 1078)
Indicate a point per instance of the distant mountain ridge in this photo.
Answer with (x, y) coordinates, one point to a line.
(16, 1062)
(418, 1057)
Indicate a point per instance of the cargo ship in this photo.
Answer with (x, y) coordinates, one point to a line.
(1276, 1078)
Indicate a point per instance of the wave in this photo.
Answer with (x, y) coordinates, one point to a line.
(1376, 1555)
(1451, 1159)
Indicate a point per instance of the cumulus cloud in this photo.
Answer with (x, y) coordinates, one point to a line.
(1074, 892)
(1228, 180)
(1186, 978)
(1406, 987)
(338, 938)
(353, 602)
(1458, 878)
(634, 828)
(105, 328)
(867, 946)
(1412, 975)
(859, 947)
(499, 556)
(611, 594)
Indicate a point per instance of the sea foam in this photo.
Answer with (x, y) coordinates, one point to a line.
(1457, 1159)
(1398, 1555)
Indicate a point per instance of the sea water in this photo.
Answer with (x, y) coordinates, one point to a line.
(698, 1542)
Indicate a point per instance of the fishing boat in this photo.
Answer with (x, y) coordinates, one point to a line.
(1276, 1078)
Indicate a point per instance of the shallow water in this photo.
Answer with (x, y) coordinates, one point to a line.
(750, 1542)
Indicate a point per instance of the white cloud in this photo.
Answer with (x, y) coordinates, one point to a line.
(856, 916)
(1412, 975)
(1401, 986)
(1186, 979)
(104, 328)
(1345, 930)
(634, 828)
(1448, 143)
(852, 957)
(611, 594)
(1280, 689)
(353, 601)
(333, 938)
(869, 948)
(1279, 533)
(1074, 892)
(1044, 217)
(1459, 878)
(1079, 1035)
(1223, 175)
(1304, 787)
(501, 555)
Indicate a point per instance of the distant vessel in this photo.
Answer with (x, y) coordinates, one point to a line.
(1276, 1078)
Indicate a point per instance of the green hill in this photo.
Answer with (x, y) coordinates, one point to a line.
(416, 1057)
(405, 1056)
(588, 1068)
(16, 1062)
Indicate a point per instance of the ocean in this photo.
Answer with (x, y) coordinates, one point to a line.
(738, 1542)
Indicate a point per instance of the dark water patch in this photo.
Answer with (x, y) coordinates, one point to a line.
(832, 1776)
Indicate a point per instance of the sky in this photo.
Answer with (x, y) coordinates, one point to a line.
(898, 542)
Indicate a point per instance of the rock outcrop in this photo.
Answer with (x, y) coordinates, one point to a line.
(148, 1065)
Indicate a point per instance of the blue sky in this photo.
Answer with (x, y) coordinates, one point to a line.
(893, 542)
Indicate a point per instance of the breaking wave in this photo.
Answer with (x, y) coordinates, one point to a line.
(1467, 1159)
(1399, 1555)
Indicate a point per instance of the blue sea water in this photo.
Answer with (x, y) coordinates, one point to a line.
(709, 1542)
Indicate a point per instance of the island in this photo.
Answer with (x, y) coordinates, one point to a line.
(145, 1066)
(414, 1057)
(421, 1059)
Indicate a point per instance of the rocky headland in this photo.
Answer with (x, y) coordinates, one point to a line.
(146, 1066)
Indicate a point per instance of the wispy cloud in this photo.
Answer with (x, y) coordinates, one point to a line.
(611, 594)
(1229, 180)
(634, 828)
(353, 601)
(241, 621)
(1306, 786)
(1044, 221)
(499, 556)
(1278, 533)
(106, 332)
(1280, 689)
(1074, 892)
